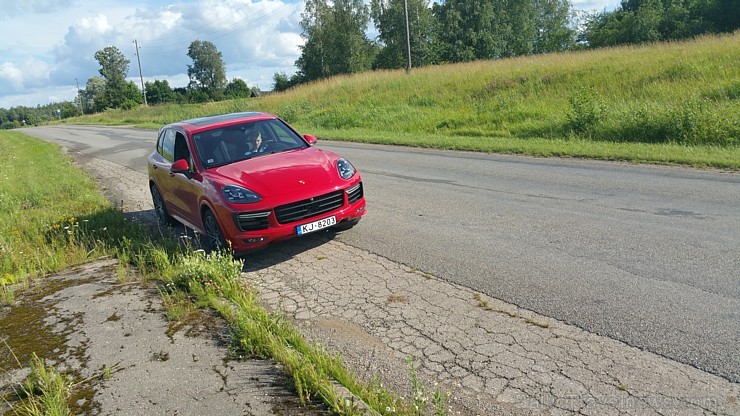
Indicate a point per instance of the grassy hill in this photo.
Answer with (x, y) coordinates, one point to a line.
(664, 103)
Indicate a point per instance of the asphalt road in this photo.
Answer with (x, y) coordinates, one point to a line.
(643, 254)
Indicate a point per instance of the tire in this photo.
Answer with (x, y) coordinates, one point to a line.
(163, 217)
(214, 238)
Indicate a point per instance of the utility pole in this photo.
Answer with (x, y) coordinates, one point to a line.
(408, 35)
(79, 97)
(141, 77)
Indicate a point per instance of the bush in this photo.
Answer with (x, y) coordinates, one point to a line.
(586, 110)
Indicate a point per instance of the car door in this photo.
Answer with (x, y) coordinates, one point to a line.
(161, 164)
(186, 188)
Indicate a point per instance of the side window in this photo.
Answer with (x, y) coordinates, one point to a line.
(160, 140)
(284, 134)
(280, 133)
(181, 148)
(167, 143)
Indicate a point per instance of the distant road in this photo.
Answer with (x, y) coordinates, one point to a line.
(648, 255)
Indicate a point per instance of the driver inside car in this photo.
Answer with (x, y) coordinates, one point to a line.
(254, 141)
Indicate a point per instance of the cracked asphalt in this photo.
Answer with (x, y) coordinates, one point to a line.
(490, 356)
(111, 335)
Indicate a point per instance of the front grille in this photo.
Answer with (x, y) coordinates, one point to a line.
(252, 221)
(355, 193)
(309, 207)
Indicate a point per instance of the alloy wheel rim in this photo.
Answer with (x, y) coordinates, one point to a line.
(158, 206)
(214, 233)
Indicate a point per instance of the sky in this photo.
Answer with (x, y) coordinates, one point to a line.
(48, 46)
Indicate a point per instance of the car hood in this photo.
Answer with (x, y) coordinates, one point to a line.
(284, 173)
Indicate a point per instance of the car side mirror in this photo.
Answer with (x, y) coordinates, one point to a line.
(181, 166)
(311, 139)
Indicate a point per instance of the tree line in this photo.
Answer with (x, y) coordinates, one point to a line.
(207, 76)
(466, 30)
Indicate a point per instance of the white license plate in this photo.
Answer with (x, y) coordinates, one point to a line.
(316, 225)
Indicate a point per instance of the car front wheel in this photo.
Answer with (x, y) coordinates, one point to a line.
(214, 236)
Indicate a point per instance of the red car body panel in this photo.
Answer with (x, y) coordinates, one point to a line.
(283, 178)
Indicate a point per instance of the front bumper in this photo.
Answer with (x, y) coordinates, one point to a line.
(351, 209)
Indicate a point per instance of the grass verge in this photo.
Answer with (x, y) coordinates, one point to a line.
(46, 226)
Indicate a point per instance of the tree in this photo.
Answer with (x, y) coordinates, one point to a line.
(638, 21)
(94, 94)
(282, 82)
(490, 29)
(158, 92)
(113, 67)
(237, 88)
(207, 74)
(390, 20)
(69, 109)
(553, 33)
(335, 39)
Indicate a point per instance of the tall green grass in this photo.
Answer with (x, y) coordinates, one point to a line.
(51, 214)
(677, 102)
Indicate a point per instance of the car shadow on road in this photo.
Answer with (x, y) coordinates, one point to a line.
(258, 259)
(285, 250)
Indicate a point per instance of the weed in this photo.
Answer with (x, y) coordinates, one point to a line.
(482, 303)
(586, 110)
(530, 320)
(509, 313)
(397, 299)
(45, 391)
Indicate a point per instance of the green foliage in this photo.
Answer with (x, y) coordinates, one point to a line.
(237, 88)
(335, 39)
(159, 92)
(45, 391)
(586, 110)
(490, 29)
(282, 82)
(640, 21)
(207, 73)
(390, 20)
(522, 105)
(116, 92)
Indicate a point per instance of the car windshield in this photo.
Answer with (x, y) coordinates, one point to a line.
(225, 145)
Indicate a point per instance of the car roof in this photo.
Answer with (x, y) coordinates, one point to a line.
(194, 125)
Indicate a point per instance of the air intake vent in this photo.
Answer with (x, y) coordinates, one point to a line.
(252, 221)
(309, 207)
(355, 193)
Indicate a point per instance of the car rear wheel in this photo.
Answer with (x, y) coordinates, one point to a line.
(214, 236)
(163, 217)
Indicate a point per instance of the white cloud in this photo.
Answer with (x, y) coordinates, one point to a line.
(17, 77)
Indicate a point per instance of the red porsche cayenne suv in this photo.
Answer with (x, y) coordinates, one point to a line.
(245, 180)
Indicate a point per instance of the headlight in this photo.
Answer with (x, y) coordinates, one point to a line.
(346, 170)
(239, 195)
